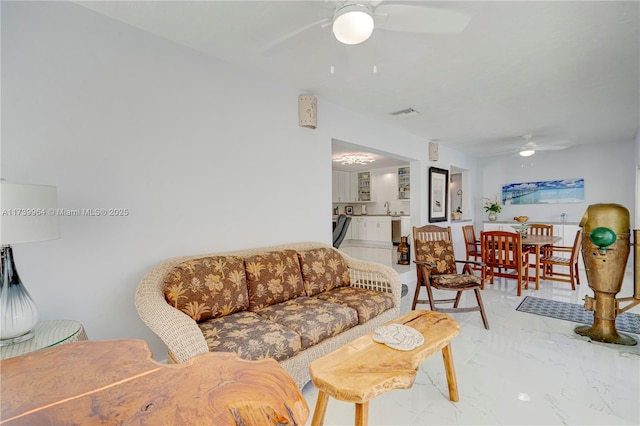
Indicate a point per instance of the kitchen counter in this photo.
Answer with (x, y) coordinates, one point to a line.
(549, 222)
(375, 215)
(383, 215)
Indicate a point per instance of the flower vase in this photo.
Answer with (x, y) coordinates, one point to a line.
(493, 216)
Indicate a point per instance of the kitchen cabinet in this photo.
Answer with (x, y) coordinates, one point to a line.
(342, 186)
(358, 228)
(404, 187)
(495, 227)
(379, 229)
(371, 228)
(364, 186)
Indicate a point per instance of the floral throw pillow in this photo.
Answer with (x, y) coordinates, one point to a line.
(438, 252)
(323, 269)
(208, 287)
(273, 277)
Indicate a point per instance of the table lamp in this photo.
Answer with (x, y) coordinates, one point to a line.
(27, 214)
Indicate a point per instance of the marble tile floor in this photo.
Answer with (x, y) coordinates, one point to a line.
(526, 370)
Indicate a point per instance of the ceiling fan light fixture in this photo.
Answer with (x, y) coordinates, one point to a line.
(527, 152)
(353, 24)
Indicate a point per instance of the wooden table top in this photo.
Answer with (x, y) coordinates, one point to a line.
(539, 240)
(364, 369)
(114, 382)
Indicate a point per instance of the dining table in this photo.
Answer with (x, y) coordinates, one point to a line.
(536, 242)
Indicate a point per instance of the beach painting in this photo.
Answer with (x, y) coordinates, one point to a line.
(546, 192)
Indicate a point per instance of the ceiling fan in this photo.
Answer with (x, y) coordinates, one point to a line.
(353, 22)
(529, 148)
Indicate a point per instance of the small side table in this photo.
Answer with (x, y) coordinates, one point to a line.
(363, 369)
(47, 334)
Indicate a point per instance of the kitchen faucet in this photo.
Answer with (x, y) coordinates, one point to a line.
(386, 204)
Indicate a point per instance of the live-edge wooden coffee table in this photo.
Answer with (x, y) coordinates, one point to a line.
(117, 382)
(364, 369)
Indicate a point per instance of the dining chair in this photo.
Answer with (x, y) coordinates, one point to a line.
(540, 229)
(436, 268)
(339, 232)
(503, 256)
(553, 256)
(472, 245)
(537, 229)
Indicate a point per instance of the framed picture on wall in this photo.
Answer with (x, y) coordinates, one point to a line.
(438, 194)
(348, 209)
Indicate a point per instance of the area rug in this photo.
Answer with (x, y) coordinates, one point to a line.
(571, 312)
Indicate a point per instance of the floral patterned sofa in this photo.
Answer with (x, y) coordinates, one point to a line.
(293, 303)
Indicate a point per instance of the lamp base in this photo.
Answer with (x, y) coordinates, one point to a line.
(19, 339)
(18, 311)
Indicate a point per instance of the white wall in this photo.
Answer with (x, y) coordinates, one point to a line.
(608, 171)
(205, 156)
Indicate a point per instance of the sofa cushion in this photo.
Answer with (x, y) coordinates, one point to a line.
(313, 319)
(323, 269)
(250, 336)
(368, 303)
(273, 277)
(208, 287)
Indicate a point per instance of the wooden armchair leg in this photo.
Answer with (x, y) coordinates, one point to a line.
(480, 304)
(416, 294)
(431, 301)
(458, 297)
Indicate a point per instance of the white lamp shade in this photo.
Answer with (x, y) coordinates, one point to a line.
(28, 213)
(527, 152)
(352, 24)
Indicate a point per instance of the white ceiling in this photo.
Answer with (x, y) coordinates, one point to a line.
(565, 72)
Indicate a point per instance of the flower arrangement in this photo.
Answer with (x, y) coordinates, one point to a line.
(492, 205)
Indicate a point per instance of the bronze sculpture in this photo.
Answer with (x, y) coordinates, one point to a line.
(605, 252)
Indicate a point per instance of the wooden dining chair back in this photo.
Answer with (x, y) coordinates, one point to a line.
(503, 256)
(472, 245)
(540, 229)
(562, 256)
(436, 269)
(536, 229)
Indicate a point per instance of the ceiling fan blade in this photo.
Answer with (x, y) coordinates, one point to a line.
(275, 46)
(551, 147)
(420, 19)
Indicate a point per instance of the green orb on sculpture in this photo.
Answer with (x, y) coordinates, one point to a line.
(602, 237)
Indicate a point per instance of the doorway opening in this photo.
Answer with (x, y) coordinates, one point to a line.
(460, 194)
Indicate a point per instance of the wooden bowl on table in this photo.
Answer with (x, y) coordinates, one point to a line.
(521, 219)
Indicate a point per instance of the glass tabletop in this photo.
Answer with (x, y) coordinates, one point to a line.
(47, 333)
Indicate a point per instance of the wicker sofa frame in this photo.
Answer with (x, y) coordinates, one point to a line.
(184, 339)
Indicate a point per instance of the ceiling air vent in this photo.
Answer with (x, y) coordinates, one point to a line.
(405, 113)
